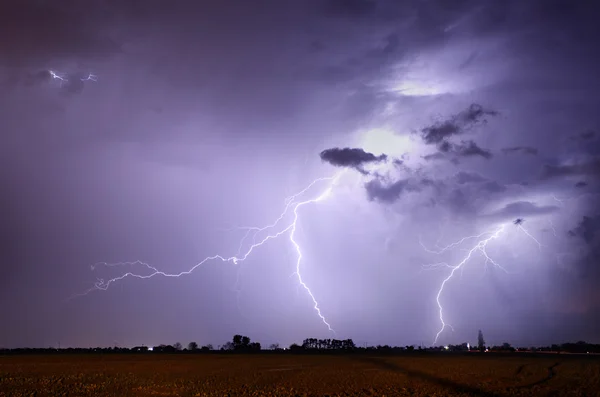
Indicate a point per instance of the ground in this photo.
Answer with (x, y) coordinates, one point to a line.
(299, 375)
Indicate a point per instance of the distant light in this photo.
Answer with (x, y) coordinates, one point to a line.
(415, 88)
(446, 347)
(379, 140)
(468, 346)
(150, 349)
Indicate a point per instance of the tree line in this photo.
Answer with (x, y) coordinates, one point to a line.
(243, 344)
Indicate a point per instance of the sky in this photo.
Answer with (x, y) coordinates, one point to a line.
(140, 137)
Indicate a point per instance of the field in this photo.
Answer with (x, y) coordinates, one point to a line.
(299, 375)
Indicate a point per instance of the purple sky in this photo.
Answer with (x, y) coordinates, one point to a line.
(207, 115)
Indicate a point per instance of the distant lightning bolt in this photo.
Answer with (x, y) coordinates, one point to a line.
(479, 247)
(483, 239)
(90, 77)
(291, 204)
(64, 79)
(530, 236)
(552, 228)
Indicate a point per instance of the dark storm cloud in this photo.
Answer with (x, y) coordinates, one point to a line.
(523, 209)
(457, 124)
(493, 187)
(462, 149)
(469, 149)
(434, 156)
(590, 167)
(40, 31)
(587, 229)
(463, 177)
(73, 84)
(349, 8)
(581, 184)
(521, 150)
(350, 158)
(389, 193)
(35, 79)
(585, 136)
(586, 265)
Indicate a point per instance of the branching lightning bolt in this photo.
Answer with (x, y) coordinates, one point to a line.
(64, 79)
(291, 204)
(480, 247)
(530, 236)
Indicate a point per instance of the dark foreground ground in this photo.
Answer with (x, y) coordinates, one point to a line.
(303, 375)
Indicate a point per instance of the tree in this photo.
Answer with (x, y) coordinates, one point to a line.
(208, 347)
(245, 341)
(274, 346)
(237, 340)
(178, 346)
(480, 341)
(254, 346)
(192, 346)
(242, 343)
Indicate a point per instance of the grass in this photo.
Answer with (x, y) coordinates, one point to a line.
(301, 375)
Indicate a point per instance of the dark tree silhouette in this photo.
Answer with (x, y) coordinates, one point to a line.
(242, 343)
(192, 346)
(228, 346)
(480, 341)
(237, 340)
(178, 346)
(245, 341)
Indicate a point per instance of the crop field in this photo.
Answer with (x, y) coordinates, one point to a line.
(299, 375)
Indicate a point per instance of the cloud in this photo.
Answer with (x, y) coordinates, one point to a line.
(585, 136)
(434, 156)
(462, 149)
(377, 191)
(38, 78)
(73, 84)
(522, 209)
(469, 149)
(39, 30)
(457, 124)
(350, 8)
(586, 264)
(520, 150)
(493, 187)
(591, 167)
(587, 229)
(350, 158)
(463, 177)
(581, 184)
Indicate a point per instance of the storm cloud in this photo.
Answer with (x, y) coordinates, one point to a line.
(520, 149)
(457, 124)
(354, 158)
(589, 167)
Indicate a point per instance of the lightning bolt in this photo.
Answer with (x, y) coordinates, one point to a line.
(553, 228)
(530, 236)
(291, 204)
(480, 247)
(483, 239)
(64, 79)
